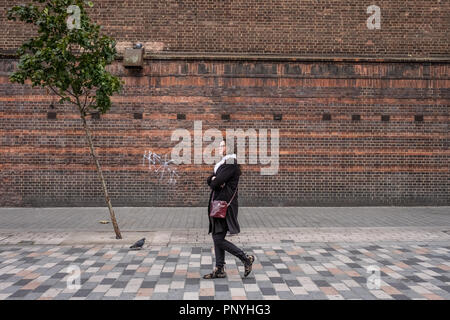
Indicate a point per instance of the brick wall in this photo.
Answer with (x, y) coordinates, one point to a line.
(46, 162)
(301, 27)
(301, 59)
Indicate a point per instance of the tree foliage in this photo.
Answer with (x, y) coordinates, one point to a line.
(70, 61)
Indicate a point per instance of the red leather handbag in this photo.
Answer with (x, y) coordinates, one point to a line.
(219, 207)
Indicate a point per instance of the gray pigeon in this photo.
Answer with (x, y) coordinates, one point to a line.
(138, 244)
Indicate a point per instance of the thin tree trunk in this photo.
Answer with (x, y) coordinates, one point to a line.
(100, 174)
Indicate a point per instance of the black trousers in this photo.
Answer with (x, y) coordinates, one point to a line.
(221, 245)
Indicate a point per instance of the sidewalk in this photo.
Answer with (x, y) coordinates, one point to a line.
(166, 226)
(166, 218)
(301, 253)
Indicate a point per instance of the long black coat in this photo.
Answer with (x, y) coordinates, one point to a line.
(228, 174)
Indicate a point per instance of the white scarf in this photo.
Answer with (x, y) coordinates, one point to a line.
(221, 162)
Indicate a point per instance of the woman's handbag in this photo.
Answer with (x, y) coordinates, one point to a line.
(219, 207)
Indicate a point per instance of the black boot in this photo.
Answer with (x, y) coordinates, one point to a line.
(219, 272)
(248, 265)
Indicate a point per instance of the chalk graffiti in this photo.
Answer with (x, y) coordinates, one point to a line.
(161, 166)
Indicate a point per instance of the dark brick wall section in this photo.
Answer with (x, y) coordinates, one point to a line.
(355, 158)
(46, 162)
(409, 28)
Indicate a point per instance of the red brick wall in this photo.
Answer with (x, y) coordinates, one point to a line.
(301, 27)
(46, 162)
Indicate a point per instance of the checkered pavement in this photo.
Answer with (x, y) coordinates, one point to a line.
(286, 270)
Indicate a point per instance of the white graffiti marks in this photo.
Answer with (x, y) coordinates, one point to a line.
(162, 167)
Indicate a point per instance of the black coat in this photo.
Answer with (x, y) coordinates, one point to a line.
(228, 174)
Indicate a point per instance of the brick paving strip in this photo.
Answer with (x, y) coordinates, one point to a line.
(247, 236)
(163, 218)
(300, 254)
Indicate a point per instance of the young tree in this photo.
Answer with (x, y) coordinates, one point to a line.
(69, 57)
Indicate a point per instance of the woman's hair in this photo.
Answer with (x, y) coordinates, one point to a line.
(239, 171)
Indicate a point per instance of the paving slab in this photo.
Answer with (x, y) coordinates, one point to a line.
(347, 281)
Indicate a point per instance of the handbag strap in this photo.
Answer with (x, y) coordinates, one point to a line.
(212, 198)
(232, 196)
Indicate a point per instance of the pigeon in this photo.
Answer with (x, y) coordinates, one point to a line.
(138, 244)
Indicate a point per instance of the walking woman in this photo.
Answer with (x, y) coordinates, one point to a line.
(224, 184)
